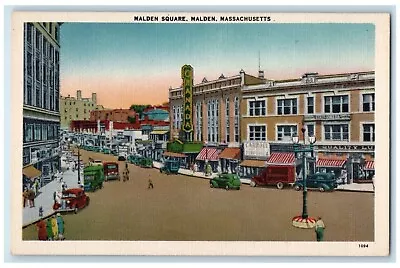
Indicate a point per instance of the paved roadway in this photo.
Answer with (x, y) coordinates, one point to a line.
(186, 208)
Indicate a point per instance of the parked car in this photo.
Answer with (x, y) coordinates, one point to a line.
(170, 167)
(72, 200)
(121, 158)
(321, 181)
(275, 175)
(227, 181)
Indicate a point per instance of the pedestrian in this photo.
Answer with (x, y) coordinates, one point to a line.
(31, 198)
(150, 184)
(54, 227)
(60, 224)
(49, 229)
(41, 228)
(25, 196)
(319, 229)
(195, 167)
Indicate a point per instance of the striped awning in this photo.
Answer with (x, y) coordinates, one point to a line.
(158, 132)
(330, 163)
(172, 154)
(210, 154)
(369, 165)
(281, 159)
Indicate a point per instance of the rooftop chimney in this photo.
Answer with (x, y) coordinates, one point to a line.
(261, 74)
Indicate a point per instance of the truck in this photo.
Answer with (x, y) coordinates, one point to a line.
(111, 171)
(93, 177)
(275, 175)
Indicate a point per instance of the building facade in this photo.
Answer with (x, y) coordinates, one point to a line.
(41, 110)
(115, 115)
(78, 108)
(337, 109)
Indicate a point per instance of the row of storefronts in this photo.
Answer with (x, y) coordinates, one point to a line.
(253, 156)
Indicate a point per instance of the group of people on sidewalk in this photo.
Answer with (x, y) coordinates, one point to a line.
(51, 229)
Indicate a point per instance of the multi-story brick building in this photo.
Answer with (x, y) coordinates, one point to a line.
(337, 109)
(41, 113)
(78, 108)
(115, 115)
(216, 114)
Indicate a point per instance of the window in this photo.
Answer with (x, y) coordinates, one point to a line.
(368, 102)
(29, 63)
(65, 118)
(37, 39)
(227, 121)
(44, 132)
(310, 130)
(287, 106)
(29, 94)
(337, 104)
(368, 132)
(77, 109)
(56, 33)
(38, 97)
(84, 110)
(199, 121)
(38, 71)
(337, 132)
(286, 132)
(29, 132)
(257, 133)
(236, 118)
(44, 47)
(37, 132)
(257, 108)
(29, 31)
(310, 105)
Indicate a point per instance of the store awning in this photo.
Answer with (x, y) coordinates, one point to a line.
(171, 154)
(230, 153)
(330, 163)
(369, 165)
(253, 163)
(281, 159)
(159, 132)
(31, 172)
(211, 154)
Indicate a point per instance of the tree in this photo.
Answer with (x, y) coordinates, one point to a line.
(131, 119)
(138, 108)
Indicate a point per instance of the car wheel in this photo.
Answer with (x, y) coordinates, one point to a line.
(87, 201)
(297, 187)
(227, 187)
(321, 189)
(253, 184)
(75, 209)
(211, 185)
(279, 185)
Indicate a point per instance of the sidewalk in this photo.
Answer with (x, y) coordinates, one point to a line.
(354, 187)
(45, 197)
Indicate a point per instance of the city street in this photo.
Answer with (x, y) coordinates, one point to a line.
(186, 208)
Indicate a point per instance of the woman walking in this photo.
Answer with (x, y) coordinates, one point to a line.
(319, 229)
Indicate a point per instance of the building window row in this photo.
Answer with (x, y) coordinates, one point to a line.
(227, 120)
(199, 121)
(257, 108)
(287, 106)
(213, 120)
(40, 131)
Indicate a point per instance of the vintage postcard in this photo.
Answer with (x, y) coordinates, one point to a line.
(250, 134)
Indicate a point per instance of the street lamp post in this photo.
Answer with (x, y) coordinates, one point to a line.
(206, 159)
(304, 221)
(79, 164)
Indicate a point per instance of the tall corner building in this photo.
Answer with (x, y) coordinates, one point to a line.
(41, 111)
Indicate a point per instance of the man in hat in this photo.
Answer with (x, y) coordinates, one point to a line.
(319, 229)
(150, 184)
(41, 228)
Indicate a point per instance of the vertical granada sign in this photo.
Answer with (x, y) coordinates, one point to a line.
(187, 77)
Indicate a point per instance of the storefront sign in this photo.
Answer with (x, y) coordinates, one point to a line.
(187, 77)
(256, 149)
(341, 148)
(326, 117)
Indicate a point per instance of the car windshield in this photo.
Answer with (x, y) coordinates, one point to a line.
(111, 166)
(89, 177)
(69, 195)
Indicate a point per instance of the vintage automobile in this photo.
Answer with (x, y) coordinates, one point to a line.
(135, 159)
(96, 162)
(321, 181)
(227, 181)
(170, 167)
(111, 171)
(71, 200)
(106, 151)
(93, 177)
(275, 175)
(146, 162)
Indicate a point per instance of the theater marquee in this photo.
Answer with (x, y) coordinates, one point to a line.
(187, 77)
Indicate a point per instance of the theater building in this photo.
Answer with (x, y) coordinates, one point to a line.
(216, 118)
(337, 109)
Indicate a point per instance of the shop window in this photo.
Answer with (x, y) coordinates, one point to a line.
(368, 102)
(286, 132)
(287, 106)
(368, 132)
(257, 108)
(257, 133)
(336, 104)
(337, 132)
